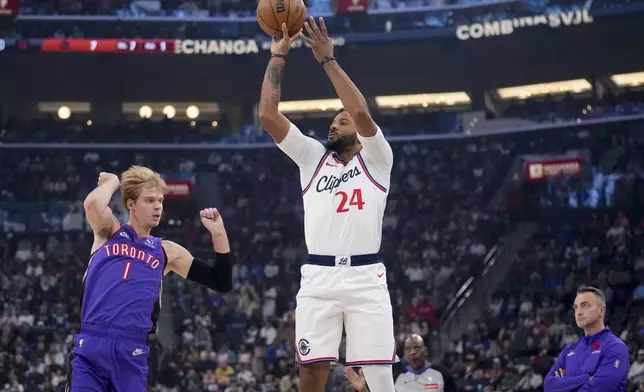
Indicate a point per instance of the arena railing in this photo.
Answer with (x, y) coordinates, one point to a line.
(580, 123)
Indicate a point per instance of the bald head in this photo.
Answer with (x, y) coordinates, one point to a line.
(416, 352)
(415, 339)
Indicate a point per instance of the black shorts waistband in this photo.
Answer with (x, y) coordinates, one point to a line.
(353, 261)
(114, 333)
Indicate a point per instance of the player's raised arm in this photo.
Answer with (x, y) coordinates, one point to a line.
(275, 123)
(218, 277)
(303, 150)
(99, 215)
(376, 148)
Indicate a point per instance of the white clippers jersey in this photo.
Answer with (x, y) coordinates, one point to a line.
(344, 203)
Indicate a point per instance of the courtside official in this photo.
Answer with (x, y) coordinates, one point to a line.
(420, 375)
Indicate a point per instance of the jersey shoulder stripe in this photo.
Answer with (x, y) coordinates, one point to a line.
(315, 173)
(369, 176)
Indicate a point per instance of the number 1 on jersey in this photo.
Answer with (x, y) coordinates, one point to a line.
(126, 273)
(356, 200)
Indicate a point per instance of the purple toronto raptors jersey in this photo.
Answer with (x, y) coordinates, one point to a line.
(123, 282)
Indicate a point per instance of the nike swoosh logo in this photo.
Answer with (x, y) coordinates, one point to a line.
(328, 164)
(380, 274)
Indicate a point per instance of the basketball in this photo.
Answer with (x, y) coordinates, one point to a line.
(272, 13)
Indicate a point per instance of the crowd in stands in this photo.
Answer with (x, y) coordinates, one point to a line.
(409, 121)
(570, 108)
(204, 8)
(530, 320)
(437, 230)
(187, 19)
(50, 129)
(179, 8)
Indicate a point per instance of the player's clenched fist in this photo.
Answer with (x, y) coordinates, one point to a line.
(212, 221)
(105, 178)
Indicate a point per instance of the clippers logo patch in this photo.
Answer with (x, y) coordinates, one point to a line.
(304, 347)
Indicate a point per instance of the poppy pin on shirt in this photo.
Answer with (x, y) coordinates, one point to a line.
(595, 345)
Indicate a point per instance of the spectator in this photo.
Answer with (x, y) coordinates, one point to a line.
(531, 381)
(638, 294)
(636, 373)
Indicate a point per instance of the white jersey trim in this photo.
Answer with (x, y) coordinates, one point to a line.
(315, 172)
(369, 176)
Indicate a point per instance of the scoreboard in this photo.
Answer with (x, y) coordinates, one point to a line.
(149, 46)
(108, 45)
(57, 45)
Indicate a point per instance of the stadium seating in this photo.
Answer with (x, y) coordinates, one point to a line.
(547, 109)
(530, 319)
(437, 230)
(236, 20)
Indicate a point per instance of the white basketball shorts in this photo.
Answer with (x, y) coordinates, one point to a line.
(355, 297)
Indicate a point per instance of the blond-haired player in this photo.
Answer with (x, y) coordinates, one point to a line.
(344, 190)
(122, 284)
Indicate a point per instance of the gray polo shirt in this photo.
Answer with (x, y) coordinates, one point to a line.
(427, 380)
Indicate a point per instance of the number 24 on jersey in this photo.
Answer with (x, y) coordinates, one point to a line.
(347, 202)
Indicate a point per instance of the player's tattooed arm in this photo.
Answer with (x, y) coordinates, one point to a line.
(275, 123)
(275, 72)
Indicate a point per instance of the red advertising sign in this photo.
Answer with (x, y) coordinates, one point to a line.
(9, 8)
(8, 12)
(537, 171)
(178, 189)
(348, 6)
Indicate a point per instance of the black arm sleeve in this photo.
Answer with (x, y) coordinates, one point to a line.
(450, 384)
(218, 277)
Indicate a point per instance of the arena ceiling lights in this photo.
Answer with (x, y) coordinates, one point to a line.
(171, 110)
(64, 110)
(311, 105)
(423, 100)
(635, 79)
(575, 86)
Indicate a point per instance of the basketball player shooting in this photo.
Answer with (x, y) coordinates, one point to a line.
(344, 190)
(123, 282)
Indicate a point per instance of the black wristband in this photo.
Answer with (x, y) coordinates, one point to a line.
(282, 56)
(218, 277)
(223, 257)
(326, 59)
